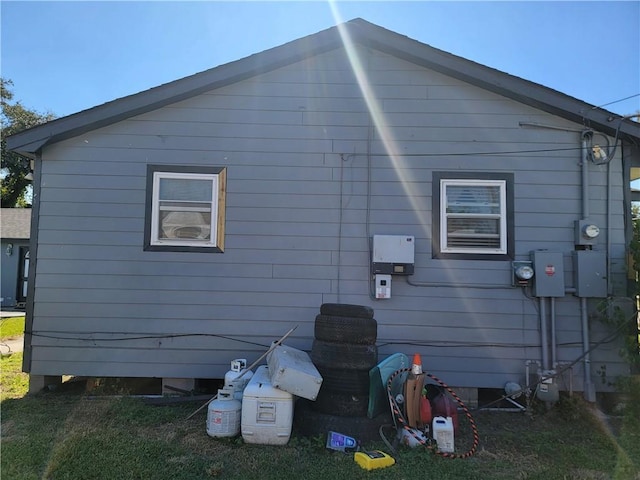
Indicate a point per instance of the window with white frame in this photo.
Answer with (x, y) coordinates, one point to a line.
(185, 208)
(474, 215)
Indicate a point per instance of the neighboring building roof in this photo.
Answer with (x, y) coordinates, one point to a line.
(359, 31)
(15, 223)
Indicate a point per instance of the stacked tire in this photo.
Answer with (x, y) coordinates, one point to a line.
(344, 351)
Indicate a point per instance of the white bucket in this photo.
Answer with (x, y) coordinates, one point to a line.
(443, 433)
(224, 415)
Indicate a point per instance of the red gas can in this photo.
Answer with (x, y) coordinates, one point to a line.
(425, 409)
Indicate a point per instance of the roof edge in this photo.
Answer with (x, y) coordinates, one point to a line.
(365, 33)
(31, 140)
(519, 89)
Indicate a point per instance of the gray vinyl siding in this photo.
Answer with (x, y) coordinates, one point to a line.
(295, 142)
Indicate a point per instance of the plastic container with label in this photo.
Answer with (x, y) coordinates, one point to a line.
(443, 434)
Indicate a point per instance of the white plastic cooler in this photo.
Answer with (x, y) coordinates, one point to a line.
(267, 412)
(291, 370)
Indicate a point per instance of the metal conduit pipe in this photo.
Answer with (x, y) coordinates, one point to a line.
(543, 333)
(608, 228)
(553, 332)
(585, 174)
(589, 391)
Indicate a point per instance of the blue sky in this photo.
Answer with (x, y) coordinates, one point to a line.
(64, 57)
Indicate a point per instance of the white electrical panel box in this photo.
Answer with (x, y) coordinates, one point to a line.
(393, 254)
(383, 286)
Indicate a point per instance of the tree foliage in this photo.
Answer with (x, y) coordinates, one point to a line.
(15, 118)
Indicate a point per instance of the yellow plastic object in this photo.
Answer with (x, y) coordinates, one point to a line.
(373, 459)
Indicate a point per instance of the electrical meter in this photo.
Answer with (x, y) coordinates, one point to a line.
(522, 273)
(591, 231)
(586, 232)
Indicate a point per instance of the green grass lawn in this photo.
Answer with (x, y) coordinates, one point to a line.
(67, 434)
(11, 327)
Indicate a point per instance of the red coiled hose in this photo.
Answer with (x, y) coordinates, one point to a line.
(400, 417)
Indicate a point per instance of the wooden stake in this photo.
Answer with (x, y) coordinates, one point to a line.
(250, 367)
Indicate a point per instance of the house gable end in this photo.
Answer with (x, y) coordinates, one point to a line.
(496, 81)
(30, 141)
(359, 31)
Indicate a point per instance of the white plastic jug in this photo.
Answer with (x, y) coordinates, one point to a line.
(443, 433)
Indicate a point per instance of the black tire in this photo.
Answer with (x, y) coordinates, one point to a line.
(346, 310)
(341, 404)
(347, 381)
(353, 330)
(309, 423)
(343, 355)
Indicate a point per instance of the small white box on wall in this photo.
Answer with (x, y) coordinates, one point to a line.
(383, 286)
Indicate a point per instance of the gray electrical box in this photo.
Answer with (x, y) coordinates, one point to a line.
(393, 254)
(549, 273)
(590, 273)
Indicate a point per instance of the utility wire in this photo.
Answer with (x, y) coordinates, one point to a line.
(468, 154)
(91, 337)
(616, 101)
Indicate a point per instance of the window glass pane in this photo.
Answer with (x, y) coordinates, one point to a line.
(185, 208)
(473, 199)
(180, 224)
(472, 214)
(473, 232)
(474, 225)
(185, 189)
